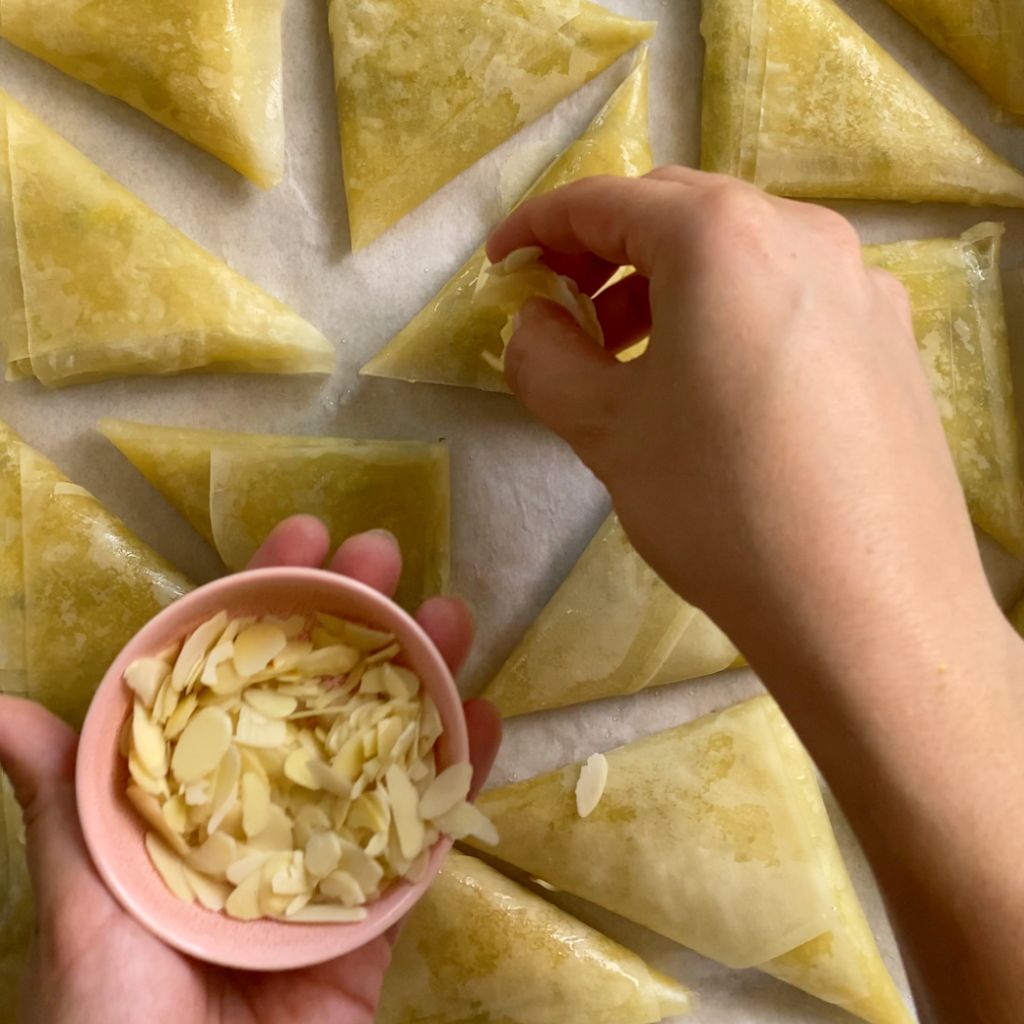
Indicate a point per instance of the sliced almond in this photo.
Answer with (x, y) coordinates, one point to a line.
(169, 866)
(591, 784)
(255, 804)
(323, 852)
(175, 813)
(202, 745)
(223, 652)
(327, 779)
(342, 886)
(296, 768)
(211, 893)
(278, 836)
(148, 742)
(179, 717)
(244, 902)
(405, 811)
(349, 761)
(146, 782)
(215, 856)
(254, 730)
(150, 811)
(329, 913)
(297, 904)
(451, 787)
(248, 864)
(329, 661)
(225, 787)
(145, 677)
(464, 821)
(362, 638)
(189, 663)
(256, 647)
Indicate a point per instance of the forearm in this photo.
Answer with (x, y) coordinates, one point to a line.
(920, 739)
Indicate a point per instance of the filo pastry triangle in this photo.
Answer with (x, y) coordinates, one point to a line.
(481, 949)
(209, 70)
(613, 627)
(235, 488)
(95, 284)
(801, 101)
(427, 87)
(714, 834)
(985, 37)
(86, 584)
(450, 340)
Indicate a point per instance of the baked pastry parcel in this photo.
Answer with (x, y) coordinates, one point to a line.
(715, 835)
(456, 339)
(481, 949)
(209, 70)
(985, 37)
(95, 284)
(16, 916)
(614, 628)
(235, 488)
(427, 87)
(801, 101)
(85, 587)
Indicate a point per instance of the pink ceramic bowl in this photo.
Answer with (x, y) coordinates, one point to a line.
(114, 832)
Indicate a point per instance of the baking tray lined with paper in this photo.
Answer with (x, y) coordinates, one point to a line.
(523, 510)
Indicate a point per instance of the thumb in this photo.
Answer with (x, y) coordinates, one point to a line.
(564, 378)
(37, 751)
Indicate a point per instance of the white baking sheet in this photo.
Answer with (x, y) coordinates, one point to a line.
(523, 509)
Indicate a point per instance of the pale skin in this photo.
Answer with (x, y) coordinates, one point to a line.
(777, 457)
(91, 961)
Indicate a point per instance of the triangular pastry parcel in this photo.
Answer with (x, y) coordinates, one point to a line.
(985, 37)
(713, 834)
(613, 627)
(15, 902)
(447, 341)
(956, 295)
(235, 488)
(427, 87)
(101, 286)
(801, 101)
(480, 949)
(88, 585)
(209, 70)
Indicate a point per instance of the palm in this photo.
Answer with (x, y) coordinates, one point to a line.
(91, 961)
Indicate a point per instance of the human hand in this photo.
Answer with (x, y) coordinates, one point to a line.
(90, 960)
(776, 455)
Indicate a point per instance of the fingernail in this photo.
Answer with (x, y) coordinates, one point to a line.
(380, 532)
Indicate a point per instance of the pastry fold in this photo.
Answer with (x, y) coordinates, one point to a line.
(209, 70)
(456, 339)
(98, 285)
(480, 949)
(235, 488)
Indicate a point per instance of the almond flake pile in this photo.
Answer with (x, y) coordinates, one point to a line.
(286, 768)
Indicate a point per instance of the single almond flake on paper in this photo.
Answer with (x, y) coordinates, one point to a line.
(450, 788)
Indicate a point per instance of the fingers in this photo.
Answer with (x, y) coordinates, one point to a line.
(562, 377)
(589, 272)
(301, 541)
(449, 624)
(484, 724)
(618, 220)
(373, 558)
(624, 310)
(37, 751)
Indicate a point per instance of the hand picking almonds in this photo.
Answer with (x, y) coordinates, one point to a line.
(286, 768)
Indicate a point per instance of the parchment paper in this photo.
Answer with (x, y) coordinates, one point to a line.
(523, 508)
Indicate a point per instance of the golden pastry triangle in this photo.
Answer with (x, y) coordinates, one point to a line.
(235, 488)
(94, 284)
(446, 343)
(209, 70)
(801, 101)
(714, 834)
(985, 37)
(427, 87)
(58, 639)
(480, 947)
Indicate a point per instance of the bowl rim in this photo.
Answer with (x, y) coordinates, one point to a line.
(156, 634)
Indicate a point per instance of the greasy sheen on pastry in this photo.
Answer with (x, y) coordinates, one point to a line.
(98, 285)
(87, 584)
(714, 834)
(801, 101)
(985, 37)
(612, 628)
(956, 296)
(209, 70)
(427, 87)
(16, 917)
(481, 949)
(456, 339)
(235, 488)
